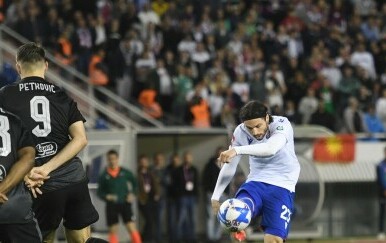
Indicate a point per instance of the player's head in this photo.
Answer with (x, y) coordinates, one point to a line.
(256, 118)
(31, 60)
(112, 158)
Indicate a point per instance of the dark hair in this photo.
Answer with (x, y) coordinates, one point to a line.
(30, 53)
(252, 110)
(112, 152)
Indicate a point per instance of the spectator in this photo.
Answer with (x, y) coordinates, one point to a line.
(216, 102)
(182, 85)
(172, 194)
(97, 69)
(353, 117)
(322, 118)
(186, 181)
(257, 89)
(150, 106)
(348, 85)
(364, 58)
(307, 106)
(198, 113)
(82, 43)
(372, 122)
(162, 82)
(211, 171)
(297, 88)
(148, 195)
(159, 171)
(146, 15)
(275, 85)
(332, 73)
(143, 66)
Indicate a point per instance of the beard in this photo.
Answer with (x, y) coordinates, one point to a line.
(263, 135)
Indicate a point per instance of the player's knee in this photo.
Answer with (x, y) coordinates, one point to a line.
(95, 240)
(272, 239)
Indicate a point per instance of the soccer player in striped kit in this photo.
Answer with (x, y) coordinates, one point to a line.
(274, 170)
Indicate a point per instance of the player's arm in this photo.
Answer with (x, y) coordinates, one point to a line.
(224, 178)
(77, 143)
(21, 167)
(269, 148)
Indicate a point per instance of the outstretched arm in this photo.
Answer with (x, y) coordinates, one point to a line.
(271, 147)
(224, 178)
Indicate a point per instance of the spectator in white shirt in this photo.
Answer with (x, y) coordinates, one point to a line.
(307, 106)
(332, 73)
(363, 58)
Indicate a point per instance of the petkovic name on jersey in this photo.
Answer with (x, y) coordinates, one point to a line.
(36, 86)
(46, 149)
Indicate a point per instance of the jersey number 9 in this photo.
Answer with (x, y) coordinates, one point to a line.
(40, 112)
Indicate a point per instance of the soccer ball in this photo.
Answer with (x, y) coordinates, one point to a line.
(234, 215)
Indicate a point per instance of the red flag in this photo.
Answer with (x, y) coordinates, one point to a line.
(340, 148)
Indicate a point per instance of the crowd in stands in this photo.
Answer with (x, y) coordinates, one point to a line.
(197, 62)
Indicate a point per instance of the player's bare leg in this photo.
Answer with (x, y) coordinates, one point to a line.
(133, 231)
(50, 238)
(78, 236)
(113, 233)
(272, 239)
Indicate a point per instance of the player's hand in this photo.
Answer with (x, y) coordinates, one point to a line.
(38, 174)
(227, 155)
(33, 186)
(215, 206)
(3, 198)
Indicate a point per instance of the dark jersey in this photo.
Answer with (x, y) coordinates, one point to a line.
(48, 112)
(13, 136)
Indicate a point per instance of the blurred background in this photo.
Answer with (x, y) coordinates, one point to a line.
(166, 78)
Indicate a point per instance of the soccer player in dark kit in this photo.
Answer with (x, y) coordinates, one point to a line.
(59, 135)
(17, 156)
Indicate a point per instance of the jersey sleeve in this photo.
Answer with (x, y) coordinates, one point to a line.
(74, 114)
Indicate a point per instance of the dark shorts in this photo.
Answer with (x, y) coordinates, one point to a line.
(113, 210)
(72, 204)
(20, 233)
